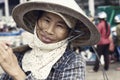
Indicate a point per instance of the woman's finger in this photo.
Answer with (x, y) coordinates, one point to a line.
(4, 54)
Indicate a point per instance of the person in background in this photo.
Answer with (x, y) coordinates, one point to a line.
(117, 20)
(56, 28)
(103, 44)
(112, 58)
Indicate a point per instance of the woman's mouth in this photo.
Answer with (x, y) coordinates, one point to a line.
(46, 39)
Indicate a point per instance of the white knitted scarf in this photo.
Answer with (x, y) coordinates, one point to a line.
(42, 56)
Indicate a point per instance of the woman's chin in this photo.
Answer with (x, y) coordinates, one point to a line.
(46, 42)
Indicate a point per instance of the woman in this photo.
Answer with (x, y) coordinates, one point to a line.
(103, 44)
(57, 28)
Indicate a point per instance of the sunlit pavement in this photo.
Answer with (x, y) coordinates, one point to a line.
(112, 73)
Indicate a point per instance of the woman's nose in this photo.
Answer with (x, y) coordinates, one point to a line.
(50, 29)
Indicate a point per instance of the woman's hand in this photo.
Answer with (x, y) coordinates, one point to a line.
(9, 63)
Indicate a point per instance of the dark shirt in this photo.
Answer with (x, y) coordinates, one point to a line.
(71, 66)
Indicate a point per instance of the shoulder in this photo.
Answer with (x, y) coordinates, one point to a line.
(74, 60)
(118, 26)
(69, 59)
(100, 25)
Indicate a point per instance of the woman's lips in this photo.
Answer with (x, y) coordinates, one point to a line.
(46, 39)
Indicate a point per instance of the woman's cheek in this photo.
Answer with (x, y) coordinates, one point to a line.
(61, 34)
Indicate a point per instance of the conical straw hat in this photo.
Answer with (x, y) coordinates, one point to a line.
(25, 16)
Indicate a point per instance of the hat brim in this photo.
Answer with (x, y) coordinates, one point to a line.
(91, 35)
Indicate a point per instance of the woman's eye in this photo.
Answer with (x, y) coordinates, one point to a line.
(46, 20)
(61, 26)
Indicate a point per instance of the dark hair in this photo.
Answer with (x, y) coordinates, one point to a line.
(39, 13)
(106, 26)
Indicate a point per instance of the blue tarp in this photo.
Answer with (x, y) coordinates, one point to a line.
(14, 33)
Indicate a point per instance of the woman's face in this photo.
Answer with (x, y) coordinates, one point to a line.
(51, 28)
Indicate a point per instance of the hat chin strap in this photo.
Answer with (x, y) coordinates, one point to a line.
(71, 38)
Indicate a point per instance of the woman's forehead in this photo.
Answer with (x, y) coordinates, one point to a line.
(53, 17)
(50, 15)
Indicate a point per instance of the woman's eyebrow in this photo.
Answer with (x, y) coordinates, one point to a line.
(62, 22)
(47, 17)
